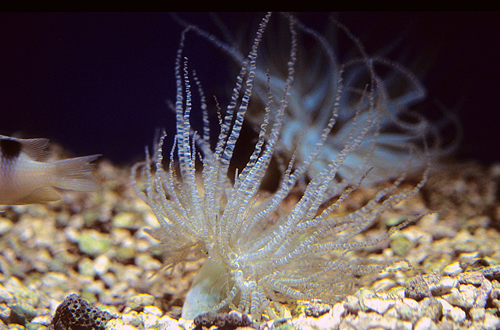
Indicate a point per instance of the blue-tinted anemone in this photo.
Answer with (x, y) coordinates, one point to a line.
(395, 147)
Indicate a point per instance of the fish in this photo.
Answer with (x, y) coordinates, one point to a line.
(29, 176)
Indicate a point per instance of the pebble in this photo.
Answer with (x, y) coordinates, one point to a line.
(431, 308)
(86, 267)
(425, 323)
(153, 310)
(118, 324)
(378, 305)
(93, 242)
(463, 298)
(455, 314)
(453, 269)
(149, 321)
(5, 295)
(146, 261)
(101, 264)
(124, 220)
(406, 309)
(5, 225)
(42, 320)
(4, 311)
(491, 322)
(140, 300)
(443, 286)
(477, 314)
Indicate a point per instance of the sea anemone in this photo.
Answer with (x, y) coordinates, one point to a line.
(259, 250)
(314, 95)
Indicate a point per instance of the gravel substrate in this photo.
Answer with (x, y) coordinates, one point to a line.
(94, 245)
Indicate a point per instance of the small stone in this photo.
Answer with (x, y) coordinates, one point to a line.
(384, 284)
(400, 245)
(14, 326)
(118, 324)
(124, 220)
(40, 320)
(444, 286)
(56, 281)
(125, 253)
(5, 225)
(140, 300)
(119, 289)
(4, 311)
(93, 243)
(467, 246)
(147, 262)
(101, 264)
(338, 311)
(477, 313)
(452, 269)
(169, 323)
(128, 273)
(131, 318)
(5, 295)
(149, 320)
(407, 309)
(468, 294)
(465, 297)
(417, 288)
(468, 257)
(86, 267)
(454, 313)
(491, 322)
(90, 218)
(457, 315)
(22, 311)
(379, 305)
(351, 304)
(21, 291)
(153, 310)
(150, 219)
(376, 321)
(109, 279)
(425, 323)
(432, 308)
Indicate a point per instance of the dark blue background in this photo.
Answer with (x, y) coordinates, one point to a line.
(97, 82)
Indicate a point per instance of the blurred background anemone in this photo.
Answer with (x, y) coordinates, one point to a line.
(335, 74)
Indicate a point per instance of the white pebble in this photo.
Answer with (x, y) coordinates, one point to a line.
(153, 310)
(101, 264)
(491, 322)
(452, 269)
(425, 323)
(379, 305)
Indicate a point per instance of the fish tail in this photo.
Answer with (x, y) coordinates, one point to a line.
(75, 173)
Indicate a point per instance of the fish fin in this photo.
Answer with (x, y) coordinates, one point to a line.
(36, 149)
(39, 195)
(75, 173)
